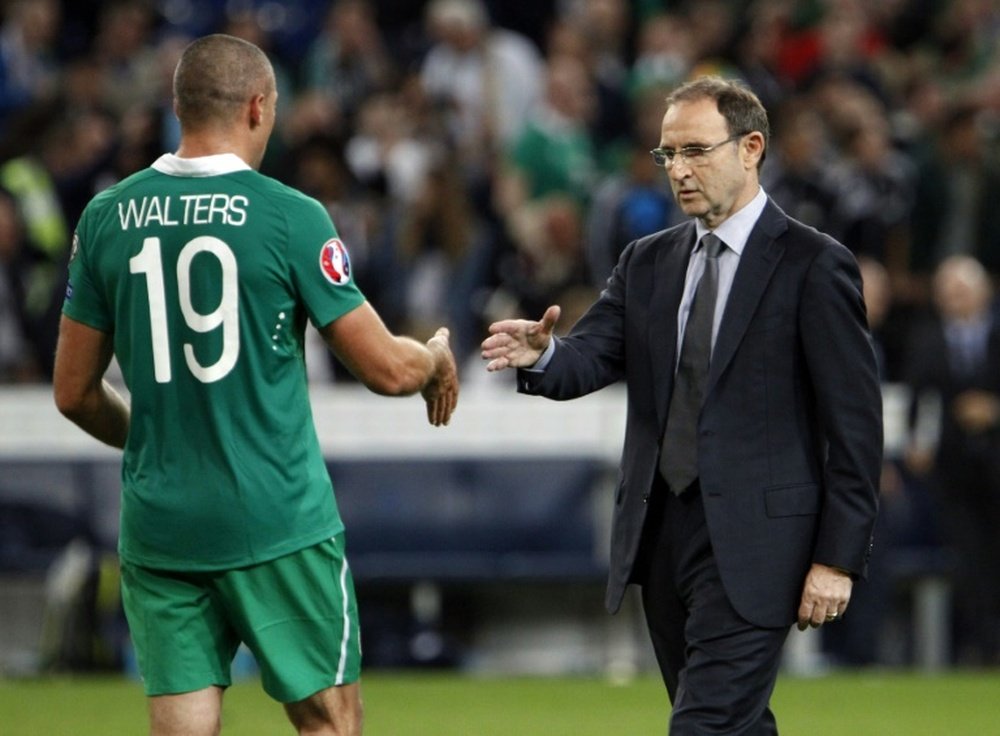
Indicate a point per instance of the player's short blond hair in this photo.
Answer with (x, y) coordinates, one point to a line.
(215, 76)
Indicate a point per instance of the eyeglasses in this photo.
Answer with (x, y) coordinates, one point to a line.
(691, 155)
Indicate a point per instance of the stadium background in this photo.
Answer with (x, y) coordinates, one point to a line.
(480, 549)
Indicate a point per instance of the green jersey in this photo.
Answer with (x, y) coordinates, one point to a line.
(205, 272)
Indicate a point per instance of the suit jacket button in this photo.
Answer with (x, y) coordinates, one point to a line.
(645, 498)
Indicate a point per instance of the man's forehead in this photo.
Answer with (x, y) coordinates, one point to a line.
(692, 123)
(697, 117)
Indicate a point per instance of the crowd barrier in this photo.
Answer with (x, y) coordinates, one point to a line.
(515, 488)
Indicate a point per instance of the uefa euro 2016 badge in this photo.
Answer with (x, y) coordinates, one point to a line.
(335, 263)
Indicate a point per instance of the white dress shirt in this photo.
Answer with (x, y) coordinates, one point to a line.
(733, 233)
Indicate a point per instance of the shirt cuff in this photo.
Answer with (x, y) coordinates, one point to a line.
(543, 360)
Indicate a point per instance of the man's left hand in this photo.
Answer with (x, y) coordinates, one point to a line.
(825, 595)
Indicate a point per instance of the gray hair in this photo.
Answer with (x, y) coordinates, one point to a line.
(742, 109)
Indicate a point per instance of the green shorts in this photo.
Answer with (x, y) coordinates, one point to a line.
(297, 614)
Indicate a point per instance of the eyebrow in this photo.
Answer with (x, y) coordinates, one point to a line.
(696, 144)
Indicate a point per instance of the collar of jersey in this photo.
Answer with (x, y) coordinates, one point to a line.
(220, 163)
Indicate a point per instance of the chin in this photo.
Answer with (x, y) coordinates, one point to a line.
(694, 209)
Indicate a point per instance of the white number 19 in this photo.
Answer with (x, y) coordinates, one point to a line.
(149, 262)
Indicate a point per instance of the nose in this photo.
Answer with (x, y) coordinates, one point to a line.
(679, 169)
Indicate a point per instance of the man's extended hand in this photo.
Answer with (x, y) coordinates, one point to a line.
(518, 343)
(441, 391)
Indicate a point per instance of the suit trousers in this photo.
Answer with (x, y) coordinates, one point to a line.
(719, 669)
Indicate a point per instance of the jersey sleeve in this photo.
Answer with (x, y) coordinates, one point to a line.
(321, 265)
(84, 301)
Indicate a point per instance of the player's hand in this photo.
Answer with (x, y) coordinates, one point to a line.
(441, 391)
(518, 343)
(825, 595)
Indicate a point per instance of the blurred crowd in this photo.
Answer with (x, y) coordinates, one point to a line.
(487, 158)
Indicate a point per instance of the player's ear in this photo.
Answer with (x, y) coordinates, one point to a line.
(256, 110)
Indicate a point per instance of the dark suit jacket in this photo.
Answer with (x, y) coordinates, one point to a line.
(790, 434)
(963, 458)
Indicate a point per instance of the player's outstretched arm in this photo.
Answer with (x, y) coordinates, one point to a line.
(394, 365)
(519, 343)
(81, 393)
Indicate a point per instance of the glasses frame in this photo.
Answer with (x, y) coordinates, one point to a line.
(666, 157)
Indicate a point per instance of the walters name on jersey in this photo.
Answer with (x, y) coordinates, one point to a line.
(183, 209)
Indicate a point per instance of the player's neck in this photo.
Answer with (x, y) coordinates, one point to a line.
(213, 143)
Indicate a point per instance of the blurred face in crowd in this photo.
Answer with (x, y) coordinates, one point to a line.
(569, 88)
(39, 21)
(715, 184)
(459, 23)
(962, 288)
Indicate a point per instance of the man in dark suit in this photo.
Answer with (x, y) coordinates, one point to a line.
(953, 364)
(747, 493)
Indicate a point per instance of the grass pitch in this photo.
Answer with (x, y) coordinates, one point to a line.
(419, 704)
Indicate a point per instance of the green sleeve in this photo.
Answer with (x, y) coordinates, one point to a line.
(85, 301)
(320, 265)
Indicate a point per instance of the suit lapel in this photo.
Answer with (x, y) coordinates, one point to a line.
(760, 257)
(668, 287)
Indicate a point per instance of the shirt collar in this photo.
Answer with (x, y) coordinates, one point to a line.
(735, 231)
(215, 165)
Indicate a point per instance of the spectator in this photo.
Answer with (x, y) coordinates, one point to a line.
(757, 51)
(604, 27)
(486, 81)
(28, 69)
(664, 53)
(957, 194)
(31, 181)
(125, 51)
(875, 181)
(17, 361)
(554, 152)
(548, 257)
(548, 179)
(348, 61)
(384, 153)
(633, 203)
(713, 25)
(796, 173)
(842, 43)
(447, 253)
(956, 357)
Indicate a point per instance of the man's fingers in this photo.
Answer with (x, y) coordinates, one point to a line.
(496, 342)
(442, 336)
(509, 326)
(817, 614)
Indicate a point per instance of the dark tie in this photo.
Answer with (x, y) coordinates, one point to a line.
(679, 451)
